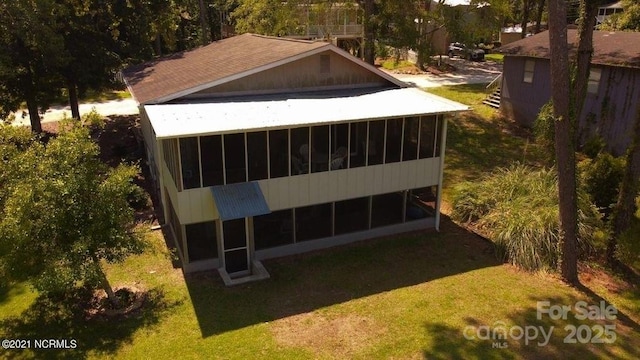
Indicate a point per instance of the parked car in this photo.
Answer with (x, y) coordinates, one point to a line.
(459, 49)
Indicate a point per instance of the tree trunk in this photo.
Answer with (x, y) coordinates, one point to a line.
(73, 99)
(564, 144)
(32, 106)
(526, 4)
(106, 286)
(587, 21)
(625, 206)
(369, 32)
(206, 34)
(539, 13)
(157, 44)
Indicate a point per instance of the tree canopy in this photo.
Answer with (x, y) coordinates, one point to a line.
(62, 211)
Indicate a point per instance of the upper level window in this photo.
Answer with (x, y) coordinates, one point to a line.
(190, 160)
(594, 80)
(211, 160)
(257, 155)
(529, 66)
(234, 158)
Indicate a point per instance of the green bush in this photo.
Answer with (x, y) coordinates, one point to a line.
(517, 208)
(544, 129)
(593, 146)
(629, 241)
(601, 178)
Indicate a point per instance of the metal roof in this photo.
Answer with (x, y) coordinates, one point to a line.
(232, 116)
(237, 201)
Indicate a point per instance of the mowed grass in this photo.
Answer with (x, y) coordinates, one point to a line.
(407, 297)
(481, 140)
(499, 58)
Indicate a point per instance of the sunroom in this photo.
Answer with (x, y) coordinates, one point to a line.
(255, 177)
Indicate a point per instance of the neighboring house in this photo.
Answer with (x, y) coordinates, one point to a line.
(263, 147)
(339, 23)
(608, 10)
(613, 93)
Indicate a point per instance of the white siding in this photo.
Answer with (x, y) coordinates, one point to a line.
(197, 205)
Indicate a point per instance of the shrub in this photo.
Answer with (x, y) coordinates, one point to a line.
(544, 128)
(517, 208)
(593, 146)
(601, 178)
(629, 241)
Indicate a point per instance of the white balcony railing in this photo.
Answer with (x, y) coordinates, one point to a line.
(335, 30)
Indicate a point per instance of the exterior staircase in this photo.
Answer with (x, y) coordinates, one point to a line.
(494, 99)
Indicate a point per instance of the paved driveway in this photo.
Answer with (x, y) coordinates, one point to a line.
(468, 72)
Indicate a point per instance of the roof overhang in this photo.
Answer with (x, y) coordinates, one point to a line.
(232, 116)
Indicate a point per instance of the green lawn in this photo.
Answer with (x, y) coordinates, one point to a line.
(499, 58)
(480, 140)
(409, 297)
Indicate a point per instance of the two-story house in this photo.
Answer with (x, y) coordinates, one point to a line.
(263, 147)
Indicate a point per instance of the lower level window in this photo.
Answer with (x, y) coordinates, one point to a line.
(202, 241)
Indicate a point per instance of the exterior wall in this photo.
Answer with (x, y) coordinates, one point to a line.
(519, 100)
(301, 74)
(197, 205)
(610, 113)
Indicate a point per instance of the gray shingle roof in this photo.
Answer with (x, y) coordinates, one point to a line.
(161, 79)
(620, 48)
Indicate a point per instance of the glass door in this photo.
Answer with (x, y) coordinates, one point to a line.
(236, 249)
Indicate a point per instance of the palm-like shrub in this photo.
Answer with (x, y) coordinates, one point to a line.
(517, 208)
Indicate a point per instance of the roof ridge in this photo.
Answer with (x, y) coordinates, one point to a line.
(285, 38)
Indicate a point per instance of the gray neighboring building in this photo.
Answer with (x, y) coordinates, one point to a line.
(613, 94)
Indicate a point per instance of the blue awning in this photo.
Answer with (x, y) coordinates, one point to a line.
(236, 201)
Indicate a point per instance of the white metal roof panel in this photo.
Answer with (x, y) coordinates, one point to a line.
(178, 120)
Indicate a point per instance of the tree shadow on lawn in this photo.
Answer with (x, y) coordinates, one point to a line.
(308, 282)
(65, 318)
(480, 339)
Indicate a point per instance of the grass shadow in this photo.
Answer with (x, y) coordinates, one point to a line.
(304, 283)
(64, 318)
(500, 338)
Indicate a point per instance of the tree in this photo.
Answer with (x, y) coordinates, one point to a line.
(63, 212)
(629, 189)
(267, 17)
(564, 144)
(369, 30)
(30, 52)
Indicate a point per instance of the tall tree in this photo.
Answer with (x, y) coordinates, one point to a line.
(30, 54)
(369, 25)
(527, 6)
(540, 6)
(564, 144)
